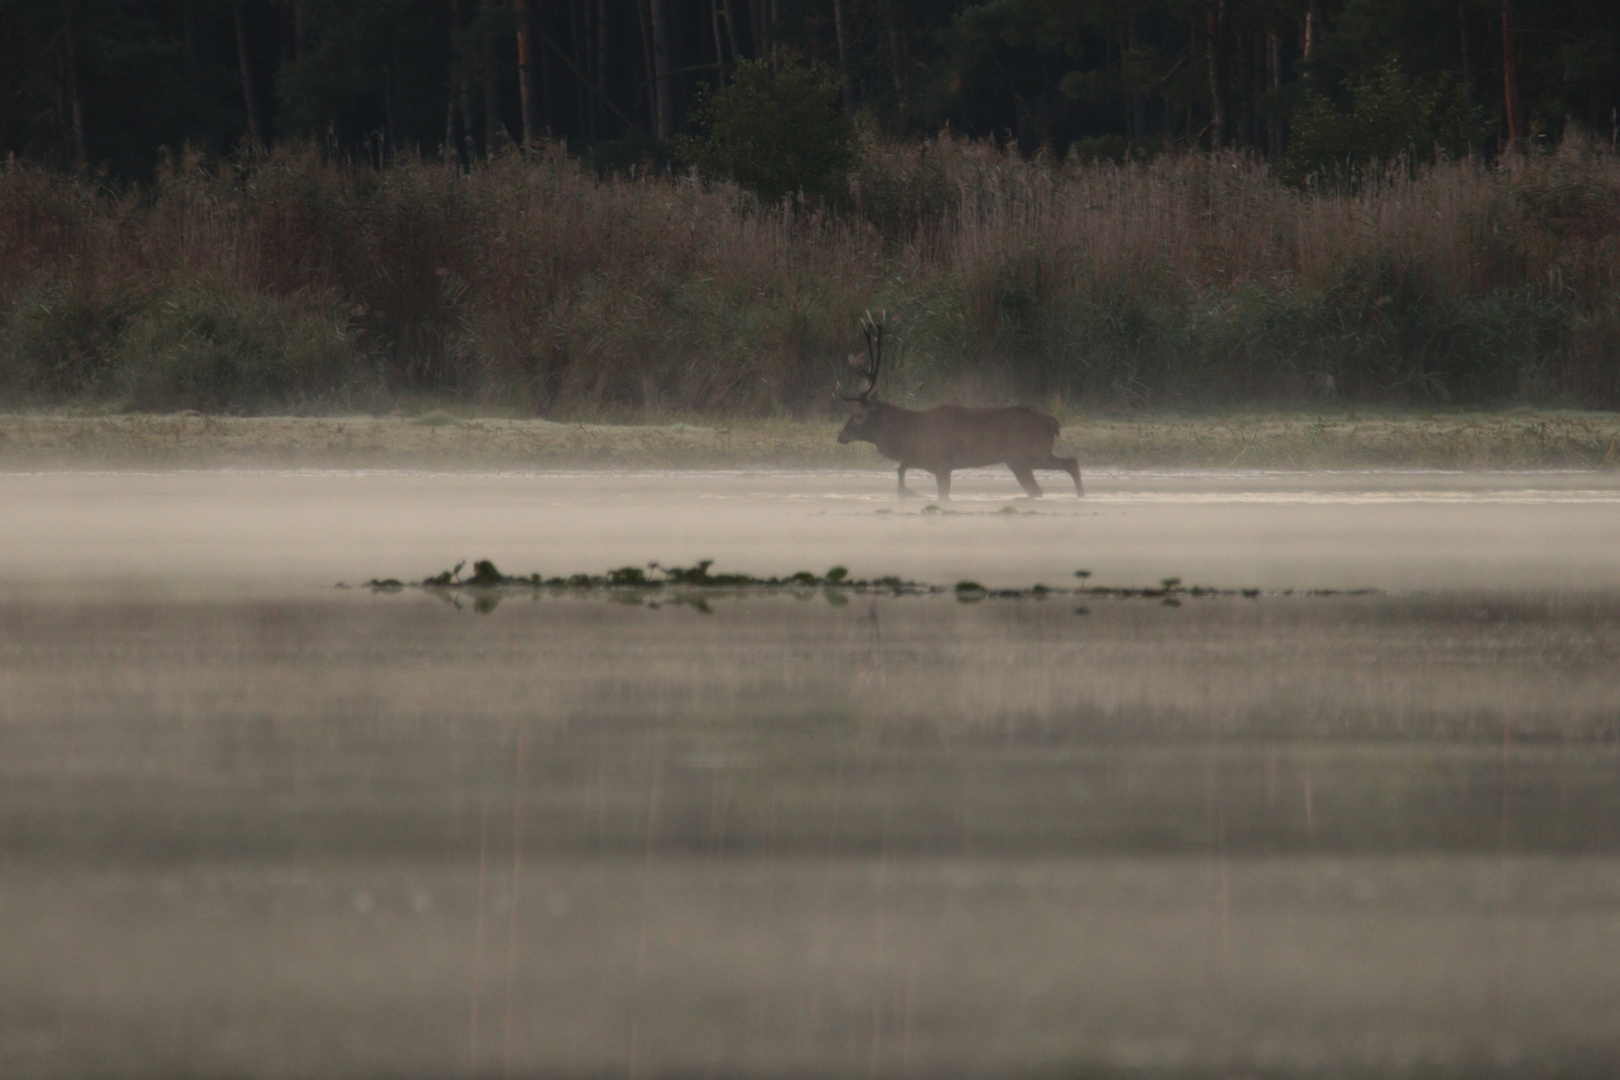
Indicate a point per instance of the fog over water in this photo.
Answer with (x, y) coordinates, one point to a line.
(252, 825)
(279, 530)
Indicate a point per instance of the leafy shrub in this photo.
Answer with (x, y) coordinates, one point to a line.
(57, 343)
(773, 133)
(207, 349)
(195, 347)
(530, 284)
(1388, 118)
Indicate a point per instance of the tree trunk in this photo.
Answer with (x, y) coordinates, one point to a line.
(1133, 41)
(774, 16)
(545, 78)
(665, 92)
(257, 128)
(386, 147)
(1215, 55)
(188, 33)
(600, 70)
(643, 12)
(1274, 122)
(840, 30)
(1118, 46)
(719, 49)
(897, 72)
(1243, 126)
(528, 95)
(585, 54)
(71, 78)
(452, 136)
(1513, 105)
(286, 33)
(494, 127)
(1476, 142)
(731, 30)
(579, 31)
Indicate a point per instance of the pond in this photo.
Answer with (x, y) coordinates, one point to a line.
(255, 825)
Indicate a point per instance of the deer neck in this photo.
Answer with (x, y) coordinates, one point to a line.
(890, 432)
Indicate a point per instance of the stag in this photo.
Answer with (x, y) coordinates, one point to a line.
(949, 437)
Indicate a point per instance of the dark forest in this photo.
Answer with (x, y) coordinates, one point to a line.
(104, 84)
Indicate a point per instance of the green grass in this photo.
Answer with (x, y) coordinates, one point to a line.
(1510, 439)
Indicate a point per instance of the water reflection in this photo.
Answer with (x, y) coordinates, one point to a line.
(361, 833)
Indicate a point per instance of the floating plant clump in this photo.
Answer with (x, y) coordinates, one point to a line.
(687, 585)
(654, 577)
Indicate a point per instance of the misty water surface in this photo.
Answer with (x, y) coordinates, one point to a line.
(254, 825)
(294, 530)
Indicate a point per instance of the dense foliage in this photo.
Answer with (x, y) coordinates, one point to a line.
(530, 284)
(773, 132)
(1389, 118)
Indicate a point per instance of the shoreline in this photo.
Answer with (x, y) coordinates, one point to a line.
(1519, 439)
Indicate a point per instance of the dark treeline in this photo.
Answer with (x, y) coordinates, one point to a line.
(107, 84)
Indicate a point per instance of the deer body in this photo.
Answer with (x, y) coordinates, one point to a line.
(949, 437)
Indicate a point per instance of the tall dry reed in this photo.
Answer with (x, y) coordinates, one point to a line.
(529, 284)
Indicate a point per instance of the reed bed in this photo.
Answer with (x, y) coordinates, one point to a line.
(530, 286)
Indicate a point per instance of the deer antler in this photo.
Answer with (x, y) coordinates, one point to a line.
(872, 329)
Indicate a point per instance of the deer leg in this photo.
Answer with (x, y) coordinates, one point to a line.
(905, 492)
(1026, 480)
(1072, 467)
(943, 478)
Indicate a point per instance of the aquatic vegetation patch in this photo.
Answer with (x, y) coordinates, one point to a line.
(655, 584)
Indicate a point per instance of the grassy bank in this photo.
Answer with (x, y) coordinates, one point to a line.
(441, 441)
(531, 286)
